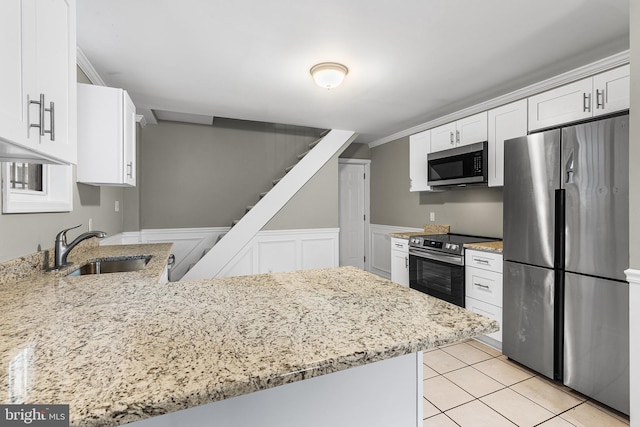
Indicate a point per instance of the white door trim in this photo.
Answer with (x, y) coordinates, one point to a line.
(367, 203)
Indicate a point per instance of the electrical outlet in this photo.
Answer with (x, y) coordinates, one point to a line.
(432, 216)
(117, 207)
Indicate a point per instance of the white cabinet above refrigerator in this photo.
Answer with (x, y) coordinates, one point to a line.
(106, 136)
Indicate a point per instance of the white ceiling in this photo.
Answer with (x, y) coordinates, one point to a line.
(410, 61)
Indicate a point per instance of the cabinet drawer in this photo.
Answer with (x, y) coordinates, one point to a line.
(485, 260)
(483, 285)
(487, 310)
(398, 244)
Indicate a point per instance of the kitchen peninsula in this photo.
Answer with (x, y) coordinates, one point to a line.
(121, 348)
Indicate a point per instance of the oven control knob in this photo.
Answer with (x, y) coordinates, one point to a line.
(453, 247)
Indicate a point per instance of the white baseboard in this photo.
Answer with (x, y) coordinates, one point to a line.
(633, 276)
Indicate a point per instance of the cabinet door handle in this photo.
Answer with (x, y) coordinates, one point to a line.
(130, 169)
(451, 137)
(52, 117)
(406, 262)
(40, 124)
(457, 137)
(482, 261)
(599, 95)
(480, 285)
(586, 102)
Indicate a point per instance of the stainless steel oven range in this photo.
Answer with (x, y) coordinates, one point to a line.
(436, 265)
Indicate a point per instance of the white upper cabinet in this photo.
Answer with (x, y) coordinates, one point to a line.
(612, 90)
(465, 131)
(37, 81)
(419, 148)
(107, 136)
(443, 137)
(602, 94)
(505, 122)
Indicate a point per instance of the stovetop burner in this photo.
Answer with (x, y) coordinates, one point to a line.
(450, 243)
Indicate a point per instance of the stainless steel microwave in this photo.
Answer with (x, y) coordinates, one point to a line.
(458, 166)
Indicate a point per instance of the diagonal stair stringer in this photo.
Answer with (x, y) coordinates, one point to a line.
(216, 259)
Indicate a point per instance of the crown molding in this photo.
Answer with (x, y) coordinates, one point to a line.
(86, 67)
(588, 70)
(141, 119)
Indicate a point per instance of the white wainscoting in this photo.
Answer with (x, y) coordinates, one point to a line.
(274, 251)
(269, 251)
(380, 247)
(189, 244)
(633, 276)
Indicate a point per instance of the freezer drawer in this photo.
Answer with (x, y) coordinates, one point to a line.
(596, 339)
(528, 316)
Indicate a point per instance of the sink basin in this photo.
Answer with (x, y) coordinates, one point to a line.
(112, 265)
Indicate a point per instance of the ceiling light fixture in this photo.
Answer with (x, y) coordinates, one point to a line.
(328, 74)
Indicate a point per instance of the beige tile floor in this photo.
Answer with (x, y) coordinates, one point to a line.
(470, 384)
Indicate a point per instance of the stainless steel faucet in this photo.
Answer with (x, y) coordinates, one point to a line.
(62, 249)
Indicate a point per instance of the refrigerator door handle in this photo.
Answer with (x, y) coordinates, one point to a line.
(569, 169)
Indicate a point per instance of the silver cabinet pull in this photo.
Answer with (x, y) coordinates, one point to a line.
(40, 124)
(599, 95)
(406, 262)
(586, 102)
(451, 137)
(481, 261)
(52, 130)
(480, 285)
(130, 169)
(457, 137)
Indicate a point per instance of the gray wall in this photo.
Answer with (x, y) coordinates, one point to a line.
(23, 234)
(634, 146)
(356, 151)
(314, 206)
(469, 211)
(205, 176)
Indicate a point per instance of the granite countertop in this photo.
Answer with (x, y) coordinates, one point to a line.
(495, 247)
(427, 229)
(121, 347)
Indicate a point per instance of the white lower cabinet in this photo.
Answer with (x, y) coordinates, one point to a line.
(483, 287)
(487, 310)
(400, 261)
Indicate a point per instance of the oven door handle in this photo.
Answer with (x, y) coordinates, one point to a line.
(449, 259)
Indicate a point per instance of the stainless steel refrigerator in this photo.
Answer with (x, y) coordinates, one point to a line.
(566, 246)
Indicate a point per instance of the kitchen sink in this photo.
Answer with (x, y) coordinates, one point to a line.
(112, 265)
